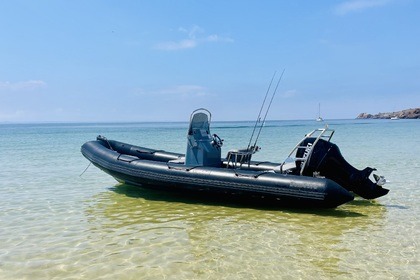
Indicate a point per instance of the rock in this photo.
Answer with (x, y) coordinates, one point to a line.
(404, 114)
(364, 116)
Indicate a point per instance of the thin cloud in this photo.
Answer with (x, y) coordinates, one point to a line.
(289, 93)
(217, 38)
(192, 32)
(358, 5)
(22, 86)
(195, 36)
(12, 116)
(185, 90)
(178, 90)
(180, 45)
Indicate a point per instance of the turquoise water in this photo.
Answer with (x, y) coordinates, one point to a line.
(55, 224)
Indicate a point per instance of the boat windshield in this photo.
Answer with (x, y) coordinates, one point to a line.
(200, 119)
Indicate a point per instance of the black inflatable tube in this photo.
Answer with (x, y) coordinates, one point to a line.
(151, 169)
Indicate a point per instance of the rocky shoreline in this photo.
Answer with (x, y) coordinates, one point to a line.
(404, 114)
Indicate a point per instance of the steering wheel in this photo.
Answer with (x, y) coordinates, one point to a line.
(217, 141)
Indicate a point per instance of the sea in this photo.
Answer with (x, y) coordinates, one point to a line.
(61, 218)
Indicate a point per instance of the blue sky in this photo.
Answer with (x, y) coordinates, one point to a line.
(98, 60)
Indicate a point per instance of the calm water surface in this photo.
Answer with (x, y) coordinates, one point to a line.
(55, 224)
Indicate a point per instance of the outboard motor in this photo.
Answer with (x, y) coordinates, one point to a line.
(203, 149)
(326, 160)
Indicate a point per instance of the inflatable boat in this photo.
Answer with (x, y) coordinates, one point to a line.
(313, 175)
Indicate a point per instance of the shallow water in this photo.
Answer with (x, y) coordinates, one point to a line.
(56, 224)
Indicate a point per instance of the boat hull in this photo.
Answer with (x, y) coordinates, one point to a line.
(156, 169)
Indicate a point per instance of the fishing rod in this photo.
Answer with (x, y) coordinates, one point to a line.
(259, 114)
(266, 112)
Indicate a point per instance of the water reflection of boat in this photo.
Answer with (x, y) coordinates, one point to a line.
(170, 233)
(314, 174)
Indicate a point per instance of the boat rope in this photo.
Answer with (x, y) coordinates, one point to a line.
(109, 144)
(85, 169)
(103, 138)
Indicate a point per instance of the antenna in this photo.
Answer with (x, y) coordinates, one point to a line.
(266, 112)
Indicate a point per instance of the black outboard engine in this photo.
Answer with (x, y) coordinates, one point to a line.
(203, 149)
(325, 159)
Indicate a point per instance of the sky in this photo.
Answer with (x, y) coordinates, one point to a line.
(145, 61)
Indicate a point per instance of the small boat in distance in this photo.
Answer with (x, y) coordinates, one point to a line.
(319, 119)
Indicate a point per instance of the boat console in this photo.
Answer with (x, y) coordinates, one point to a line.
(203, 149)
